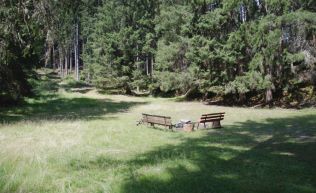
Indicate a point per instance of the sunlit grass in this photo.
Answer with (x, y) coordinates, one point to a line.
(88, 142)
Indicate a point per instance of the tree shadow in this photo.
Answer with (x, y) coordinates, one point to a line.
(77, 86)
(233, 160)
(82, 90)
(46, 104)
(51, 108)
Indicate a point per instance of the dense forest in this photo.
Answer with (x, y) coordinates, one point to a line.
(244, 52)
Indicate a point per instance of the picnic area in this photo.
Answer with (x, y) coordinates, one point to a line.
(69, 141)
(158, 96)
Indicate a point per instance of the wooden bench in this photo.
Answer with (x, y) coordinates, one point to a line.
(215, 118)
(156, 119)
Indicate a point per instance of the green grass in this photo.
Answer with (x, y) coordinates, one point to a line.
(88, 142)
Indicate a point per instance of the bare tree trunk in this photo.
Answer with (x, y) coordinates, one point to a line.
(76, 64)
(75, 61)
(70, 61)
(48, 56)
(77, 52)
(51, 56)
(137, 56)
(81, 51)
(53, 59)
(152, 66)
(61, 70)
(147, 65)
(49, 45)
(269, 96)
(242, 96)
(75, 55)
(138, 64)
(66, 63)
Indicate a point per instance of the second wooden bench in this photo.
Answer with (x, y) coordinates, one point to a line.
(157, 119)
(214, 118)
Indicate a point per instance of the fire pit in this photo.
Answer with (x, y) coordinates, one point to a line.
(185, 125)
(188, 127)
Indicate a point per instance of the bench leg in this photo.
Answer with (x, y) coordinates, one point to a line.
(193, 128)
(216, 124)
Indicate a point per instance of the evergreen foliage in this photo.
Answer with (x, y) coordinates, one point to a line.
(229, 49)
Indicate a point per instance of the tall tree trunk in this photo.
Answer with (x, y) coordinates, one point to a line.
(66, 63)
(77, 51)
(152, 65)
(137, 58)
(269, 95)
(70, 61)
(54, 56)
(75, 55)
(48, 55)
(147, 65)
(138, 65)
(51, 56)
(81, 51)
(61, 70)
(242, 96)
(49, 45)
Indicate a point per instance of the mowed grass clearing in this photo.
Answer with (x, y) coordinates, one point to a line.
(88, 142)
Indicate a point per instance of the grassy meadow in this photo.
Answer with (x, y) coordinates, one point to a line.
(69, 140)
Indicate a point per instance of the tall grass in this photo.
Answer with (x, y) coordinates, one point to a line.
(88, 142)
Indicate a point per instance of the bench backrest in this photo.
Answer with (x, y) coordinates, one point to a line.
(157, 119)
(211, 117)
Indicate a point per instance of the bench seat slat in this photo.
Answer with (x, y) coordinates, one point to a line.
(205, 115)
(211, 120)
(148, 115)
(212, 117)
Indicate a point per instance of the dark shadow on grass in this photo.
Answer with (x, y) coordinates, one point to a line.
(77, 86)
(232, 160)
(82, 90)
(51, 108)
(46, 104)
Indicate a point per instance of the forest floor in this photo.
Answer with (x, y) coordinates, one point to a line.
(77, 140)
